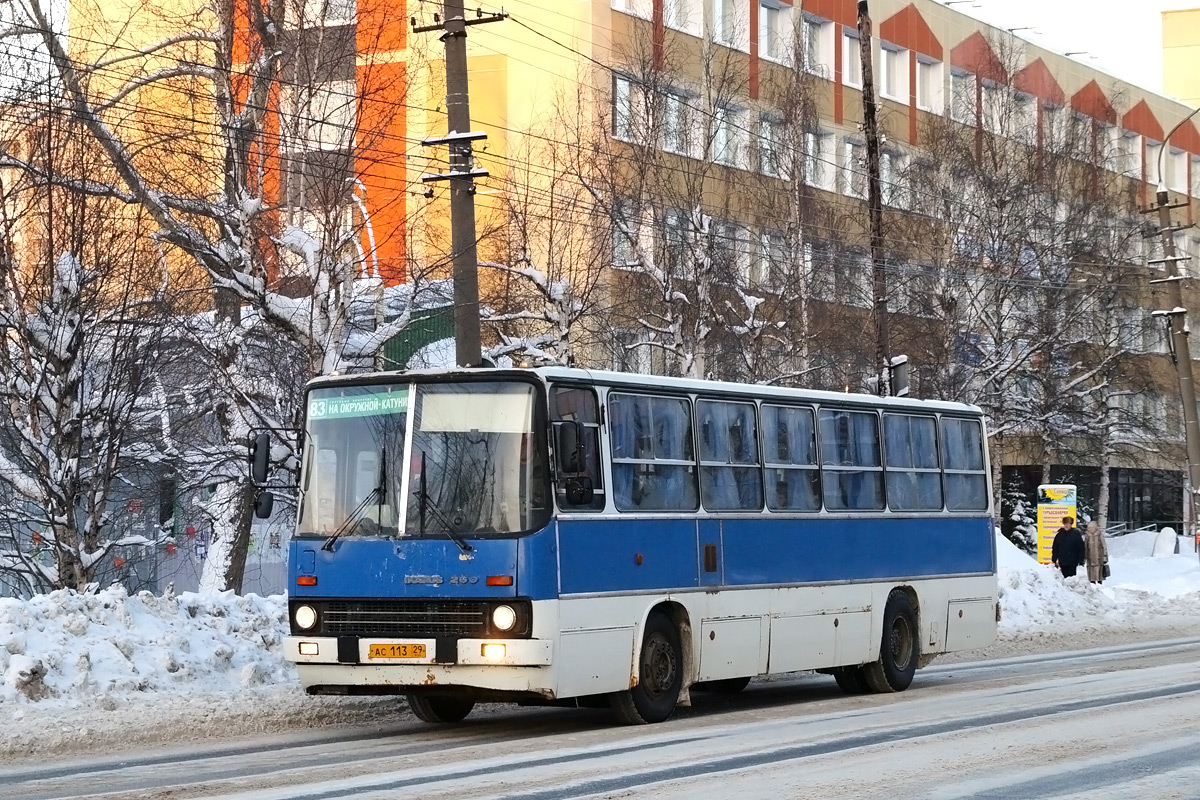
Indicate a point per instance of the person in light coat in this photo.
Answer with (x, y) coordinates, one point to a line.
(1097, 552)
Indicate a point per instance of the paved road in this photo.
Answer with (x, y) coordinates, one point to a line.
(1114, 722)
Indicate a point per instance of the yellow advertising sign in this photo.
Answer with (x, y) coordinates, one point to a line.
(1055, 501)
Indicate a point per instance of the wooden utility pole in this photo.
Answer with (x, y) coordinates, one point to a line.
(1181, 352)
(883, 365)
(467, 348)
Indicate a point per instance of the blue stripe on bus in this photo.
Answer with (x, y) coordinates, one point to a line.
(615, 555)
(601, 556)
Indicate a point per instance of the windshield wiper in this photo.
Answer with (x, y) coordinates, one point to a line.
(424, 505)
(351, 523)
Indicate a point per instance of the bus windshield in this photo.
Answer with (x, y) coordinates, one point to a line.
(474, 461)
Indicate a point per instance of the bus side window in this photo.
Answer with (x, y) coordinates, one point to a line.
(794, 479)
(962, 461)
(911, 458)
(852, 471)
(653, 457)
(730, 475)
(575, 419)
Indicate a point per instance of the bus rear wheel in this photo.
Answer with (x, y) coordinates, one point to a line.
(851, 680)
(900, 648)
(441, 708)
(660, 676)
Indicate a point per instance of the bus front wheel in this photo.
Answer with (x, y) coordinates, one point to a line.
(900, 648)
(660, 676)
(440, 708)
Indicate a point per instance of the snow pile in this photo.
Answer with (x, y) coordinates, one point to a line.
(71, 649)
(1035, 597)
(77, 647)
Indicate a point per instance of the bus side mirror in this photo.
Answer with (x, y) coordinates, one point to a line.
(579, 491)
(570, 454)
(264, 504)
(260, 458)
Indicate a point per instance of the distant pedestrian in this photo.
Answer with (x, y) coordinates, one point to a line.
(1069, 549)
(1097, 553)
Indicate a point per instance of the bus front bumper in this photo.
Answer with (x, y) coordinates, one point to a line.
(522, 666)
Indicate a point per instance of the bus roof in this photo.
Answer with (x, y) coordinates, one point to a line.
(629, 380)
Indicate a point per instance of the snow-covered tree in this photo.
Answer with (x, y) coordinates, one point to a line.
(229, 126)
(82, 310)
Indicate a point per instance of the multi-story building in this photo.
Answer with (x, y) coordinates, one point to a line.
(700, 167)
(732, 131)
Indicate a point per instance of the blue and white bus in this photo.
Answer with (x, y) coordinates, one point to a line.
(568, 536)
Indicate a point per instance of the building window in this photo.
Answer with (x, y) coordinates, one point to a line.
(993, 98)
(673, 244)
(891, 179)
(818, 160)
(893, 72)
(730, 26)
(325, 116)
(676, 113)
(314, 13)
(851, 59)
(962, 97)
(817, 45)
(771, 260)
(629, 355)
(727, 128)
(1053, 128)
(1195, 176)
(628, 108)
(730, 251)
(1176, 171)
(639, 8)
(774, 27)
(626, 232)
(1152, 162)
(682, 15)
(929, 85)
(1024, 118)
(770, 140)
(854, 169)
(1131, 154)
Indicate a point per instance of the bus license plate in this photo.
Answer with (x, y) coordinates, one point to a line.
(396, 651)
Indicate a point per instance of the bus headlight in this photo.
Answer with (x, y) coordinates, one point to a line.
(305, 617)
(504, 618)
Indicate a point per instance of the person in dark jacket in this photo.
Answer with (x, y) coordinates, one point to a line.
(1068, 550)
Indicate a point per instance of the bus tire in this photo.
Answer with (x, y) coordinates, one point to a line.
(899, 649)
(440, 707)
(660, 676)
(851, 680)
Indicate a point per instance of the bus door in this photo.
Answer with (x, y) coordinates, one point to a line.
(709, 551)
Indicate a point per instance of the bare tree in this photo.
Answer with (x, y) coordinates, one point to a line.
(1023, 233)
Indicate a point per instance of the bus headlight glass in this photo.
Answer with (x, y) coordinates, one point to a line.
(306, 617)
(504, 618)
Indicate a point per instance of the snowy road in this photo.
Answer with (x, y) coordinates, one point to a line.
(1113, 722)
